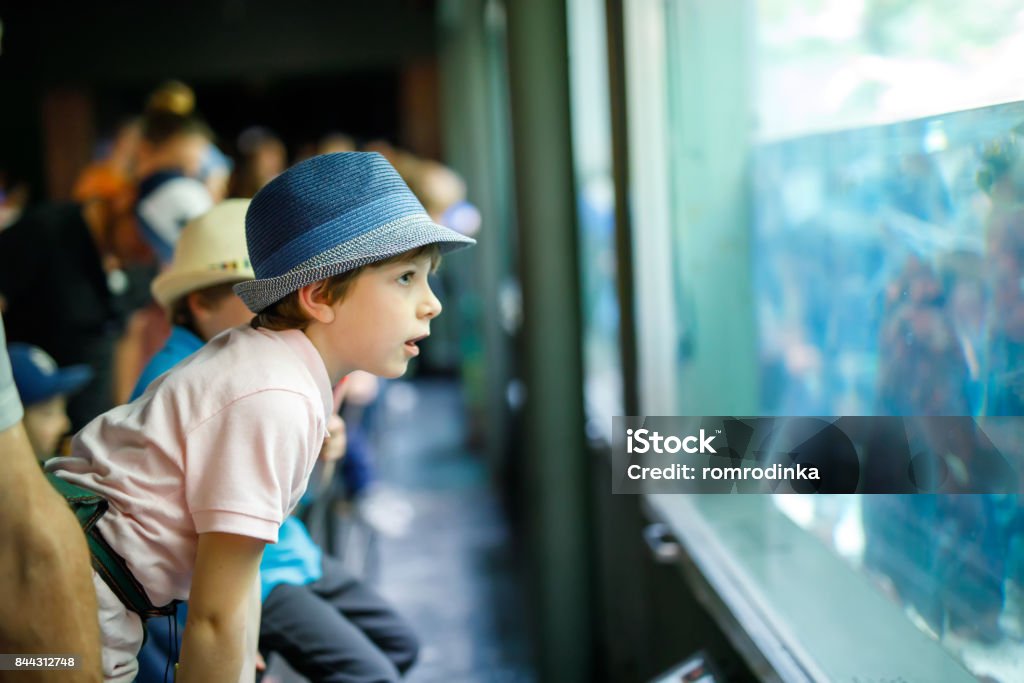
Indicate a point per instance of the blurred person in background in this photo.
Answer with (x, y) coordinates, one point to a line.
(262, 157)
(62, 287)
(174, 144)
(336, 142)
(43, 388)
(215, 173)
(14, 195)
(113, 170)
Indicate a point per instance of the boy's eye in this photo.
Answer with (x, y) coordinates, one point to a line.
(406, 278)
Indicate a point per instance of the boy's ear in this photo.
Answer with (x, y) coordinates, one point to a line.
(314, 302)
(195, 305)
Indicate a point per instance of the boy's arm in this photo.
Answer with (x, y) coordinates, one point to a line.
(252, 634)
(215, 646)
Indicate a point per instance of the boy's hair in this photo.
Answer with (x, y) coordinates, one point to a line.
(287, 313)
(181, 312)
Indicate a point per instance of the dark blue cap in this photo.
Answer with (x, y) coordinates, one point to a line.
(39, 379)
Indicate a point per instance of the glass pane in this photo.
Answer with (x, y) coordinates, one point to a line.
(884, 219)
(890, 281)
(595, 198)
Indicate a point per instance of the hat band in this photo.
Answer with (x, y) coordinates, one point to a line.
(240, 264)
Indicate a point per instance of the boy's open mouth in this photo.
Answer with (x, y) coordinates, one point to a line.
(411, 343)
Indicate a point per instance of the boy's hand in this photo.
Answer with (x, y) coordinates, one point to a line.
(336, 441)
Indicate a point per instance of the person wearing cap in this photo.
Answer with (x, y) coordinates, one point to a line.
(201, 470)
(43, 389)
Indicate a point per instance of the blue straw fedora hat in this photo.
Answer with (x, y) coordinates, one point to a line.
(328, 215)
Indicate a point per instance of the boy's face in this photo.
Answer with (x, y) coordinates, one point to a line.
(385, 311)
(45, 424)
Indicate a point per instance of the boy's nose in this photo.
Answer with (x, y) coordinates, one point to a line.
(431, 306)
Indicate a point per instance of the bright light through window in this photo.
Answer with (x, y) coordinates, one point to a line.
(835, 64)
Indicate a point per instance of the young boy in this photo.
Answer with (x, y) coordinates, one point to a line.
(202, 469)
(323, 620)
(44, 388)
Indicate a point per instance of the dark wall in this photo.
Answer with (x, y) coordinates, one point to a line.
(299, 109)
(103, 42)
(303, 67)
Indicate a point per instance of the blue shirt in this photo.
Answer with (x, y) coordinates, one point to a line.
(296, 558)
(179, 346)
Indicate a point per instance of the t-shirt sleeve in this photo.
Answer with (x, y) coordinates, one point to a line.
(247, 465)
(10, 404)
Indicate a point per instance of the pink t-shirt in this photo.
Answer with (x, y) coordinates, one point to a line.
(224, 442)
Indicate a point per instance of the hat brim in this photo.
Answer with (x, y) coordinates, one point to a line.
(65, 381)
(374, 246)
(170, 286)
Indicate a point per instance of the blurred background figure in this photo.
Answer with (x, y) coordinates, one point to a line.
(69, 256)
(114, 168)
(14, 196)
(44, 389)
(261, 158)
(174, 144)
(336, 142)
(215, 173)
(443, 194)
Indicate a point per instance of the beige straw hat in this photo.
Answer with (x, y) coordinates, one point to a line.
(210, 251)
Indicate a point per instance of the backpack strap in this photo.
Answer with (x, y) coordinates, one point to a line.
(88, 507)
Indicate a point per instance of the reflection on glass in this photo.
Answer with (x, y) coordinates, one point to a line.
(890, 281)
(890, 277)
